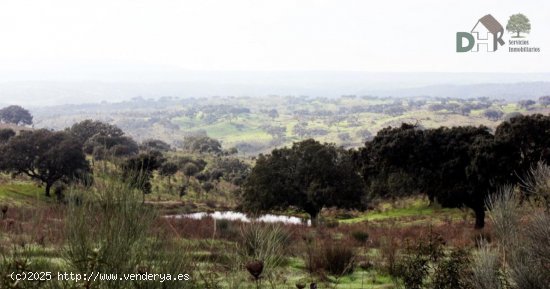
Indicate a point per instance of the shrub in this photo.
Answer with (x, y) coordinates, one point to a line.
(110, 230)
(360, 236)
(413, 269)
(388, 253)
(505, 213)
(530, 263)
(226, 229)
(538, 233)
(485, 273)
(327, 256)
(419, 259)
(211, 204)
(330, 223)
(524, 252)
(263, 242)
(338, 259)
(450, 272)
(536, 183)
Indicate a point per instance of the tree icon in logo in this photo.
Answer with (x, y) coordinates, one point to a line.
(518, 23)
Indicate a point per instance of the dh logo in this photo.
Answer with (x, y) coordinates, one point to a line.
(486, 33)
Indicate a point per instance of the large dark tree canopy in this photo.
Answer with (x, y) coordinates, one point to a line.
(103, 140)
(86, 129)
(45, 156)
(453, 166)
(309, 176)
(530, 136)
(102, 147)
(15, 114)
(459, 170)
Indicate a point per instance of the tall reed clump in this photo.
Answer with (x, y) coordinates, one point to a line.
(505, 214)
(109, 230)
(264, 242)
(485, 269)
(522, 251)
(261, 250)
(536, 184)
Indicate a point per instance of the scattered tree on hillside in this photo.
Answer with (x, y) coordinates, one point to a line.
(544, 100)
(364, 134)
(202, 144)
(202, 176)
(45, 156)
(396, 109)
(277, 132)
(300, 129)
(251, 147)
(139, 169)
(465, 109)
(208, 187)
(103, 140)
(273, 113)
(155, 144)
(232, 170)
(309, 175)
(182, 161)
(231, 151)
(344, 136)
(510, 115)
(526, 104)
(86, 129)
(15, 114)
(168, 169)
(118, 146)
(493, 114)
(189, 170)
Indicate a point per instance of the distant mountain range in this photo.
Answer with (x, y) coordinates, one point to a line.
(326, 84)
(508, 91)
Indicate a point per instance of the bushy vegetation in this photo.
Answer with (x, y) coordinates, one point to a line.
(109, 231)
(116, 200)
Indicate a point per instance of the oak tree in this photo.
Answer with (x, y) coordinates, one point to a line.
(45, 156)
(309, 176)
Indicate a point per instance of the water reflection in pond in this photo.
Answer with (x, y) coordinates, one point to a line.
(237, 216)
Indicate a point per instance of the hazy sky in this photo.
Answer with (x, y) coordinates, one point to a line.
(71, 36)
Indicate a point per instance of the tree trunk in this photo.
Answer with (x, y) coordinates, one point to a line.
(480, 218)
(518, 34)
(48, 189)
(313, 216)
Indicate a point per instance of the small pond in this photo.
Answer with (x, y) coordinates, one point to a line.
(238, 216)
